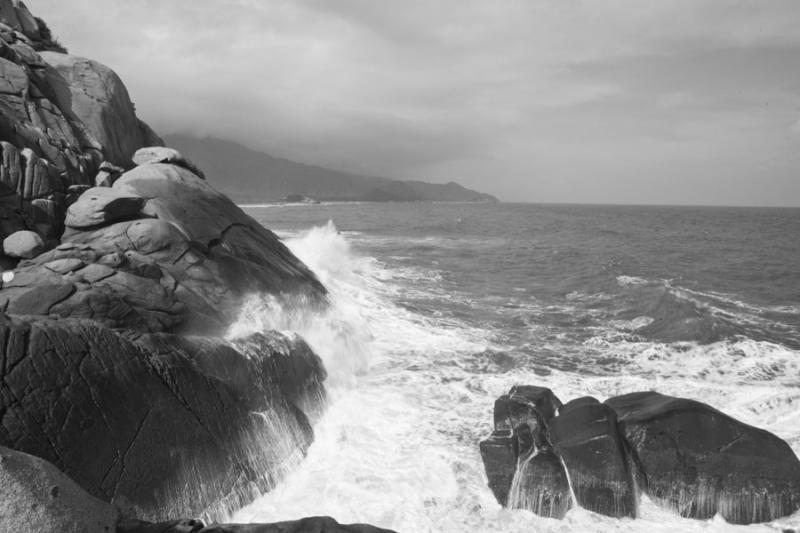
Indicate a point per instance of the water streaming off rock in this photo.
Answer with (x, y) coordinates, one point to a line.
(438, 309)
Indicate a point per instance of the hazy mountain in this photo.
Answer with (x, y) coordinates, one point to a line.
(248, 175)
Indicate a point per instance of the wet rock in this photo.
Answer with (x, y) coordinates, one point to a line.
(500, 463)
(314, 524)
(102, 205)
(171, 430)
(541, 485)
(23, 244)
(699, 461)
(585, 436)
(161, 154)
(36, 498)
(505, 448)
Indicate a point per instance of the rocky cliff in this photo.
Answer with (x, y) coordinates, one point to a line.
(122, 268)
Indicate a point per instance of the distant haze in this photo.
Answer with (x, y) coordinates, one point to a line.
(616, 101)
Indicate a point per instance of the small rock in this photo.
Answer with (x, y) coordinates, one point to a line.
(23, 244)
(96, 272)
(102, 205)
(64, 266)
(161, 154)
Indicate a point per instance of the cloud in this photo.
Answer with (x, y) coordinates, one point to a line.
(506, 96)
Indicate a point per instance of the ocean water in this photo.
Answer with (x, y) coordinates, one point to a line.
(437, 309)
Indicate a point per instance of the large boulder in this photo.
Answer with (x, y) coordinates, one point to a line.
(99, 206)
(158, 424)
(585, 436)
(23, 244)
(700, 461)
(35, 497)
(250, 257)
(517, 453)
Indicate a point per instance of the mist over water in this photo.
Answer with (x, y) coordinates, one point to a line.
(439, 308)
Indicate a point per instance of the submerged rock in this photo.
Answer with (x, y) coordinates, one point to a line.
(699, 461)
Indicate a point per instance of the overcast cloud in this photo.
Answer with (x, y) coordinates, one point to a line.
(617, 101)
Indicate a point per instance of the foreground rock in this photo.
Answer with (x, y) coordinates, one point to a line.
(158, 423)
(700, 462)
(315, 524)
(685, 455)
(102, 371)
(36, 498)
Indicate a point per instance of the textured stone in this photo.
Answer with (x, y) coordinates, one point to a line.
(170, 419)
(700, 461)
(102, 205)
(23, 244)
(585, 436)
(161, 154)
(36, 498)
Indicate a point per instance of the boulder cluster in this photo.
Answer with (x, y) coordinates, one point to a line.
(122, 268)
(546, 456)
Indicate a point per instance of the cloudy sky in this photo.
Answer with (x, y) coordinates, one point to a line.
(601, 101)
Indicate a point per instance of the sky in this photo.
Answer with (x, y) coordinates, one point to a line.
(579, 101)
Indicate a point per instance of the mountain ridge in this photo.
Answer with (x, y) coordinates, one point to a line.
(248, 175)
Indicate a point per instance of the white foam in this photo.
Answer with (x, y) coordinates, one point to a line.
(398, 445)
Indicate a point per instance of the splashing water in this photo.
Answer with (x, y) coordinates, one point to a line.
(414, 376)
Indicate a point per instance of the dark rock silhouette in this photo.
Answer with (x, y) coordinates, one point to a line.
(683, 454)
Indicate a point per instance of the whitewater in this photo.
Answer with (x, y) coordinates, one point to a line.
(429, 323)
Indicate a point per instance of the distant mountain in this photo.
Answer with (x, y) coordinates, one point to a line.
(251, 176)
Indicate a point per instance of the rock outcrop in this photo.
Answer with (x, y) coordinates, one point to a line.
(113, 275)
(61, 117)
(685, 455)
(158, 424)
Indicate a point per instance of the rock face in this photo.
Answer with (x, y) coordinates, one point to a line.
(36, 498)
(585, 436)
(683, 454)
(157, 424)
(98, 372)
(699, 461)
(522, 469)
(61, 116)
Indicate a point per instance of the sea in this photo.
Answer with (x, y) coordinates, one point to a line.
(439, 308)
